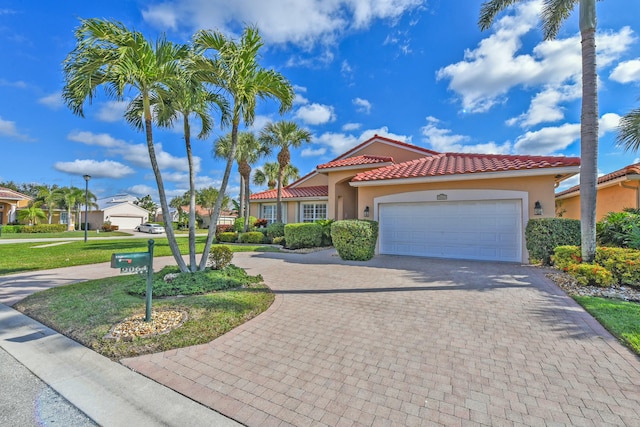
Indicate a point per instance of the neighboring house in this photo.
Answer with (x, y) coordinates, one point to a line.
(119, 210)
(450, 205)
(226, 217)
(10, 201)
(616, 191)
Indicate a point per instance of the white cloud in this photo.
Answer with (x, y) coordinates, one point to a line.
(626, 72)
(53, 101)
(348, 127)
(362, 105)
(301, 22)
(338, 143)
(141, 190)
(311, 152)
(99, 139)
(18, 83)
(259, 122)
(8, 128)
(112, 111)
(545, 105)
(315, 114)
(139, 155)
(97, 169)
(443, 140)
(299, 100)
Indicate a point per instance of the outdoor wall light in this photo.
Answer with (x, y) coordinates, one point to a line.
(366, 212)
(537, 208)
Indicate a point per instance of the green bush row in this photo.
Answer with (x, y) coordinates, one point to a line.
(623, 265)
(303, 235)
(355, 239)
(543, 235)
(40, 228)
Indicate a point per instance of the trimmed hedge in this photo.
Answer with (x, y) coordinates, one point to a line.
(355, 239)
(545, 234)
(251, 237)
(275, 229)
(228, 237)
(32, 229)
(303, 235)
(238, 225)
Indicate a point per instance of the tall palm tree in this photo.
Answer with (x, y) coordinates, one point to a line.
(248, 151)
(235, 69)
(109, 55)
(70, 198)
(47, 196)
(182, 99)
(283, 134)
(554, 13)
(629, 130)
(268, 175)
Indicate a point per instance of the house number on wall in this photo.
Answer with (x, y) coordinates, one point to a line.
(441, 197)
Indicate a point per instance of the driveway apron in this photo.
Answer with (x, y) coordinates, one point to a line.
(407, 341)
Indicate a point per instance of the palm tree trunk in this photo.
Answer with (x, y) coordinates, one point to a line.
(246, 198)
(588, 132)
(241, 196)
(192, 197)
(223, 188)
(171, 237)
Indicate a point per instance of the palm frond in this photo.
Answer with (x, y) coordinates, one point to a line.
(629, 131)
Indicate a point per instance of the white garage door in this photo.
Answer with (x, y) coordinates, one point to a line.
(480, 230)
(126, 222)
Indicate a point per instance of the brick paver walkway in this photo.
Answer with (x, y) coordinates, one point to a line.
(402, 341)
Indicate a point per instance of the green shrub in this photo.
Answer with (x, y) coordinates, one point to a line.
(220, 257)
(228, 237)
(279, 241)
(40, 228)
(619, 229)
(564, 256)
(591, 274)
(238, 225)
(303, 235)
(543, 235)
(275, 229)
(624, 264)
(326, 231)
(355, 239)
(251, 237)
(200, 282)
(10, 228)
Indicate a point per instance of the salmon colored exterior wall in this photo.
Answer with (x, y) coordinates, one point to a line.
(614, 198)
(319, 179)
(399, 154)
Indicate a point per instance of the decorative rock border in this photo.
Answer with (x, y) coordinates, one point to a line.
(162, 322)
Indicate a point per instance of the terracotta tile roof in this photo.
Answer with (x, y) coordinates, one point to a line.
(387, 140)
(356, 161)
(7, 193)
(627, 170)
(462, 163)
(291, 193)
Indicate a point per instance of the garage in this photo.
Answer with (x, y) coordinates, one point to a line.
(126, 222)
(471, 229)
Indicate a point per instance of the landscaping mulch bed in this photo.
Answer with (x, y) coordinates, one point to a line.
(568, 284)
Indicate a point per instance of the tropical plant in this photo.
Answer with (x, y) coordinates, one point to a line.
(31, 214)
(148, 204)
(207, 197)
(236, 71)
(629, 131)
(48, 197)
(109, 55)
(283, 135)
(248, 151)
(268, 174)
(70, 198)
(182, 98)
(554, 13)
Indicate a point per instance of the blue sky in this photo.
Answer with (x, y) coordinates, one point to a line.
(417, 70)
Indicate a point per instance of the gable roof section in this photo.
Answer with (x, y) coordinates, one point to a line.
(293, 193)
(633, 169)
(9, 194)
(452, 164)
(356, 161)
(389, 141)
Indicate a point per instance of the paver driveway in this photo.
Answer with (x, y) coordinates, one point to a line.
(408, 341)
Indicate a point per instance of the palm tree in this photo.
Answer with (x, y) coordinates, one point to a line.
(183, 98)
(207, 197)
(629, 130)
(235, 69)
(554, 13)
(283, 134)
(108, 54)
(268, 175)
(47, 196)
(248, 151)
(70, 198)
(31, 214)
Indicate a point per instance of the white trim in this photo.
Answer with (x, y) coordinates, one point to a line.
(459, 196)
(469, 176)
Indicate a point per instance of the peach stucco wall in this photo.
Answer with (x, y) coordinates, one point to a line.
(399, 154)
(614, 198)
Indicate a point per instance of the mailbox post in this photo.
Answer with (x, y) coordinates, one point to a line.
(138, 262)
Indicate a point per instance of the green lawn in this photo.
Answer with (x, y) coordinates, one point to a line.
(23, 257)
(62, 235)
(621, 318)
(87, 311)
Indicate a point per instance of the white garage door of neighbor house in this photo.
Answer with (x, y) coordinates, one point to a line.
(479, 230)
(125, 222)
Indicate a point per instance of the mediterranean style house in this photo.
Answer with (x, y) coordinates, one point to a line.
(10, 202)
(449, 205)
